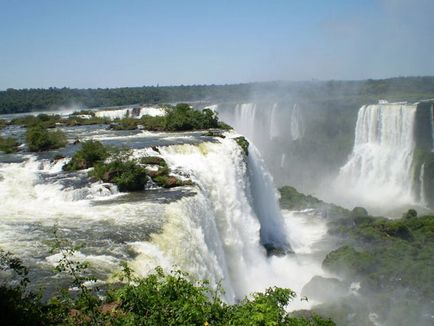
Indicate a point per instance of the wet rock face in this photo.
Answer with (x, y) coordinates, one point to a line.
(423, 129)
(279, 251)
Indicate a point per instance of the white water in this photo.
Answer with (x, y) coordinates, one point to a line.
(379, 168)
(422, 195)
(262, 123)
(296, 123)
(244, 121)
(129, 112)
(31, 207)
(216, 234)
(432, 126)
(265, 201)
(274, 122)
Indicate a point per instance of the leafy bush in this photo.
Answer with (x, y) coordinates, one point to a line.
(90, 153)
(45, 120)
(126, 174)
(39, 139)
(243, 143)
(170, 181)
(182, 117)
(158, 299)
(125, 124)
(84, 112)
(9, 145)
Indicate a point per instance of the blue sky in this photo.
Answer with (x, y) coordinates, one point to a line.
(111, 43)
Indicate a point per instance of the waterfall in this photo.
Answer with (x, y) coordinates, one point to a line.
(217, 233)
(244, 121)
(216, 229)
(296, 123)
(265, 202)
(379, 168)
(282, 160)
(432, 126)
(274, 122)
(422, 196)
(131, 112)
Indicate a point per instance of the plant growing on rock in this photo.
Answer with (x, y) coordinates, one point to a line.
(243, 143)
(39, 139)
(90, 153)
(9, 145)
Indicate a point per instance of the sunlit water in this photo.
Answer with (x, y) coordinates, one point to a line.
(213, 230)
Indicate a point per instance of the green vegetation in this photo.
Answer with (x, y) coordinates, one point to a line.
(391, 258)
(126, 174)
(170, 181)
(39, 139)
(243, 143)
(84, 112)
(51, 121)
(387, 253)
(395, 89)
(3, 123)
(291, 199)
(90, 153)
(9, 145)
(159, 299)
(181, 117)
(116, 166)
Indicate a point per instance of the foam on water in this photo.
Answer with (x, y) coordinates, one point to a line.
(216, 233)
(131, 112)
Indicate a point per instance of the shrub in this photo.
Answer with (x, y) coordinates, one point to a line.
(127, 175)
(90, 153)
(9, 145)
(125, 124)
(170, 181)
(40, 139)
(410, 214)
(183, 117)
(45, 120)
(243, 143)
(359, 212)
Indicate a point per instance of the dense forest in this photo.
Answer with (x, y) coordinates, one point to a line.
(401, 88)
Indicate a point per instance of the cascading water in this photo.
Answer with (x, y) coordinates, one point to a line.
(274, 123)
(265, 202)
(264, 122)
(131, 112)
(379, 168)
(215, 229)
(296, 123)
(244, 121)
(432, 126)
(422, 196)
(217, 233)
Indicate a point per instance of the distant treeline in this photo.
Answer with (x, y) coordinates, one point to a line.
(26, 100)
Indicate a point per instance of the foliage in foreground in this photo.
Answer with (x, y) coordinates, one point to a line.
(159, 299)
